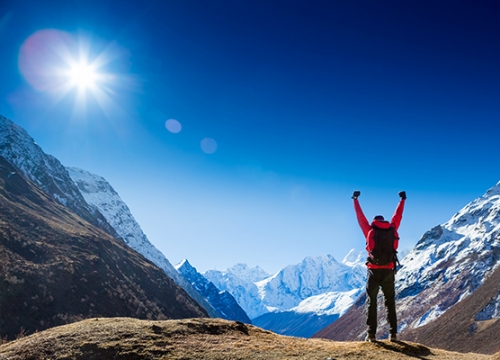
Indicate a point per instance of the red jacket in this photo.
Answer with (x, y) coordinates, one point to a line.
(367, 229)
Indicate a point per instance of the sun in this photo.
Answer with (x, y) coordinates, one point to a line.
(86, 69)
(82, 75)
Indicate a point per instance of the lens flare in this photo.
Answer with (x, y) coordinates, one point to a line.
(208, 145)
(173, 126)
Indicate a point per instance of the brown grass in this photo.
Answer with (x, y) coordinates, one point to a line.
(132, 339)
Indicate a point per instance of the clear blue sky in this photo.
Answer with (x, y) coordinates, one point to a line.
(285, 108)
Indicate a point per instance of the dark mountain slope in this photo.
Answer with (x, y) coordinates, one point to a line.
(56, 268)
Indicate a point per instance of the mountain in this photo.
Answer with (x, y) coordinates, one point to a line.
(446, 267)
(305, 297)
(472, 325)
(102, 198)
(310, 315)
(89, 196)
(312, 276)
(17, 147)
(222, 301)
(56, 268)
(299, 299)
(239, 281)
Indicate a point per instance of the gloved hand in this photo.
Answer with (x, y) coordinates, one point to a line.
(356, 194)
(402, 195)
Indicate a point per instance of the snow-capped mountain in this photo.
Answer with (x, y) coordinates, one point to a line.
(312, 276)
(46, 171)
(240, 281)
(450, 262)
(222, 301)
(299, 299)
(100, 195)
(312, 293)
(311, 315)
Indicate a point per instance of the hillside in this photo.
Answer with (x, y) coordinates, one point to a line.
(210, 339)
(56, 268)
(471, 325)
(21, 150)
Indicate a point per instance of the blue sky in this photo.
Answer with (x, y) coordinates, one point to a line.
(299, 103)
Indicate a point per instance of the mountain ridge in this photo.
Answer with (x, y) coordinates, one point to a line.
(17, 147)
(100, 195)
(222, 301)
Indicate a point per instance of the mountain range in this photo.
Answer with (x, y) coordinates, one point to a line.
(299, 299)
(87, 195)
(66, 223)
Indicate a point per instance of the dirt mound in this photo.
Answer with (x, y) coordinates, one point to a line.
(124, 338)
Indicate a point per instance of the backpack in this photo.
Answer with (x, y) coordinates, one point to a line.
(383, 252)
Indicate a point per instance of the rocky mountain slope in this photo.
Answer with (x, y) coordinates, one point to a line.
(448, 264)
(208, 339)
(56, 268)
(89, 196)
(101, 197)
(17, 147)
(472, 325)
(224, 303)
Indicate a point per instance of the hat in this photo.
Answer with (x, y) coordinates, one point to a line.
(379, 218)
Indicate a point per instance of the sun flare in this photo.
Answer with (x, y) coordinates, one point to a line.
(83, 75)
(71, 66)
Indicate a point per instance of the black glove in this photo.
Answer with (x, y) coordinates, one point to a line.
(402, 195)
(356, 194)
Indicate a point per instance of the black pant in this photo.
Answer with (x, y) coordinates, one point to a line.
(383, 278)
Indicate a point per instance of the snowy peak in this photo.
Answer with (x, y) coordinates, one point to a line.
(450, 261)
(46, 171)
(260, 293)
(483, 211)
(222, 301)
(354, 258)
(190, 273)
(243, 271)
(312, 276)
(237, 281)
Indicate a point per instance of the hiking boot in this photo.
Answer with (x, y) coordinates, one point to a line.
(393, 337)
(370, 338)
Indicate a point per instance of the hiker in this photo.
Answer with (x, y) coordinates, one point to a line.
(381, 243)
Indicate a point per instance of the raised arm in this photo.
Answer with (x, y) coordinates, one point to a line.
(398, 214)
(362, 221)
